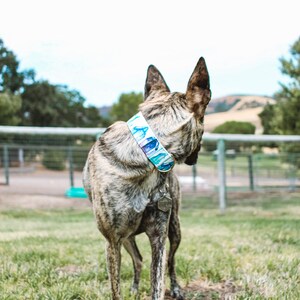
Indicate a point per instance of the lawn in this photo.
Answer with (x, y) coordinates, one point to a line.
(276, 166)
(251, 252)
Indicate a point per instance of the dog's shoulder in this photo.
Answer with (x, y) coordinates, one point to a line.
(117, 149)
(117, 129)
(118, 140)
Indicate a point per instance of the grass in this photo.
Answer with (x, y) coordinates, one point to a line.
(60, 255)
(264, 165)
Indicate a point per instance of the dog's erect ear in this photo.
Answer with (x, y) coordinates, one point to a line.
(154, 82)
(198, 89)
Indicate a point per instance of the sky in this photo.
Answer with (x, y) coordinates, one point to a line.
(103, 48)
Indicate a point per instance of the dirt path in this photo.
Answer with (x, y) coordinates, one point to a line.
(17, 201)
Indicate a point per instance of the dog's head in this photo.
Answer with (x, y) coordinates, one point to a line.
(177, 118)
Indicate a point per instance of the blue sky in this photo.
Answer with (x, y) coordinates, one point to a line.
(103, 48)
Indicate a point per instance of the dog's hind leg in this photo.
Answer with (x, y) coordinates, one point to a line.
(157, 229)
(137, 260)
(175, 238)
(113, 255)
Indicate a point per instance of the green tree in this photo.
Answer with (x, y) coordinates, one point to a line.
(266, 117)
(10, 106)
(283, 117)
(45, 104)
(235, 127)
(10, 77)
(40, 101)
(126, 106)
(78, 114)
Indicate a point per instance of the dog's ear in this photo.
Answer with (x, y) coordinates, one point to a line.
(154, 82)
(198, 90)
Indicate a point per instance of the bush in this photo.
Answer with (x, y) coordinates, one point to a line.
(54, 160)
(235, 127)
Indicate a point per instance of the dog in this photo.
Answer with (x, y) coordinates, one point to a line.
(130, 195)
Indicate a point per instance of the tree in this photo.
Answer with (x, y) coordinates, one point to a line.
(40, 105)
(93, 118)
(10, 106)
(45, 104)
(10, 77)
(126, 106)
(11, 83)
(283, 117)
(266, 117)
(235, 127)
(72, 108)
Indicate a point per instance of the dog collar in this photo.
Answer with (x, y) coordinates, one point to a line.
(149, 143)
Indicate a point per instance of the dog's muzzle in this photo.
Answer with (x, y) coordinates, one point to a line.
(192, 159)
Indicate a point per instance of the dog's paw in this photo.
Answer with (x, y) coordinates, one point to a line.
(177, 293)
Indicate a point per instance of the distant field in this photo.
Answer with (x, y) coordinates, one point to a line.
(251, 252)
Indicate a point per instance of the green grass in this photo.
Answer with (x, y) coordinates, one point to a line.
(264, 165)
(60, 255)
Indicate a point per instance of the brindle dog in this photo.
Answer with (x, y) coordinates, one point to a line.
(130, 196)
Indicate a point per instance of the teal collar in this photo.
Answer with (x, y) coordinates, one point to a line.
(149, 143)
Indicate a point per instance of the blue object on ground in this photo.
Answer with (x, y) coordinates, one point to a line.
(76, 192)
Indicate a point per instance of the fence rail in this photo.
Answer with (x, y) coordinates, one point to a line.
(232, 169)
(98, 131)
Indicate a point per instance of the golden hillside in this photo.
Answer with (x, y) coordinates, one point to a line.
(241, 108)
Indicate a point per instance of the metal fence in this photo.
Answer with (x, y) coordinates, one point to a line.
(50, 161)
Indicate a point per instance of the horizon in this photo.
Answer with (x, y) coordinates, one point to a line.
(212, 99)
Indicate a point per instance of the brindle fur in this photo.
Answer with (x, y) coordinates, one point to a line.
(124, 186)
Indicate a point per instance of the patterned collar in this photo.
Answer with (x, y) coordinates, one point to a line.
(148, 142)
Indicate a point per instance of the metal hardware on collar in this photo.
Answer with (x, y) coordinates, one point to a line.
(165, 203)
(149, 143)
(162, 199)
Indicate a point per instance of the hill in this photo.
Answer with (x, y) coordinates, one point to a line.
(229, 108)
(236, 108)
(226, 103)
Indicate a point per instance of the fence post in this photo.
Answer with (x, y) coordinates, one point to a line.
(71, 166)
(194, 169)
(21, 157)
(6, 163)
(292, 172)
(250, 169)
(222, 175)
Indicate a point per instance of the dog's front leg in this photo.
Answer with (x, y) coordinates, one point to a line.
(174, 237)
(113, 256)
(157, 231)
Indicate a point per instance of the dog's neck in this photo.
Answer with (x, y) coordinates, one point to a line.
(173, 123)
